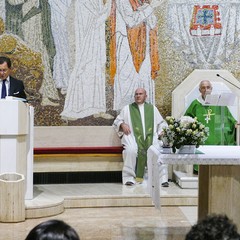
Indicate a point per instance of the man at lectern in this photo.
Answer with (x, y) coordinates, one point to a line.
(9, 86)
(213, 117)
(210, 116)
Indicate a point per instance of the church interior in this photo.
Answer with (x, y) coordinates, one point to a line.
(80, 62)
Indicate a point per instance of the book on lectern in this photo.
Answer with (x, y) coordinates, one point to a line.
(223, 99)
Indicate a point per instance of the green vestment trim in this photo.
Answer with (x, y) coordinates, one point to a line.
(143, 144)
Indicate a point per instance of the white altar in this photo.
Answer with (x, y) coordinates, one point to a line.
(219, 178)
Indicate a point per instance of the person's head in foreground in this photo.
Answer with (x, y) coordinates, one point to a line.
(214, 227)
(52, 230)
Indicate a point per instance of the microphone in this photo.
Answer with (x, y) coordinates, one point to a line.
(218, 75)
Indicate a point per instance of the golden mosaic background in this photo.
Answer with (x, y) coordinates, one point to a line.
(27, 66)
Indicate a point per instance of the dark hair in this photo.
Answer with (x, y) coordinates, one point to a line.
(7, 60)
(52, 230)
(214, 227)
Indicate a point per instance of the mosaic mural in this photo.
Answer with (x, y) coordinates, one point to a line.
(81, 60)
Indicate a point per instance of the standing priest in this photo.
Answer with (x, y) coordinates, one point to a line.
(213, 117)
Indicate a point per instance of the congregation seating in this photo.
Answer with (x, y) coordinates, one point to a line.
(76, 149)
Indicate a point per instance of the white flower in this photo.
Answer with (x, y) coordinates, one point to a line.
(186, 120)
(189, 131)
(168, 118)
(184, 131)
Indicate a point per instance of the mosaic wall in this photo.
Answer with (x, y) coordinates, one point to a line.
(82, 60)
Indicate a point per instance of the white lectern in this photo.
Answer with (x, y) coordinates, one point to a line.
(16, 140)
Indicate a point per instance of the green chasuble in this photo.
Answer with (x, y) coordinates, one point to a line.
(143, 144)
(212, 117)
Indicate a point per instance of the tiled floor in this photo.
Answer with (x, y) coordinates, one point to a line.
(120, 223)
(112, 222)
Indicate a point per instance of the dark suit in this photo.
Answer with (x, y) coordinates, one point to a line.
(16, 88)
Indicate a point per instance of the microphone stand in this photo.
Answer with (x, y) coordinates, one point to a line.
(218, 75)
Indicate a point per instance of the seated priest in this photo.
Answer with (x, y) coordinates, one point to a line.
(139, 125)
(212, 117)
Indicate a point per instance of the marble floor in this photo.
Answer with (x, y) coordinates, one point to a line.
(117, 219)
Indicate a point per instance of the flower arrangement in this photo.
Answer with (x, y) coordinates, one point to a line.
(183, 131)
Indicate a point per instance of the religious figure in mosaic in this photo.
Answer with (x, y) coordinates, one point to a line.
(134, 60)
(86, 89)
(59, 22)
(33, 16)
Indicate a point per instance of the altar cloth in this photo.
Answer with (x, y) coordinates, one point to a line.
(212, 155)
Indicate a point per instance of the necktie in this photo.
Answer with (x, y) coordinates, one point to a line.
(4, 90)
